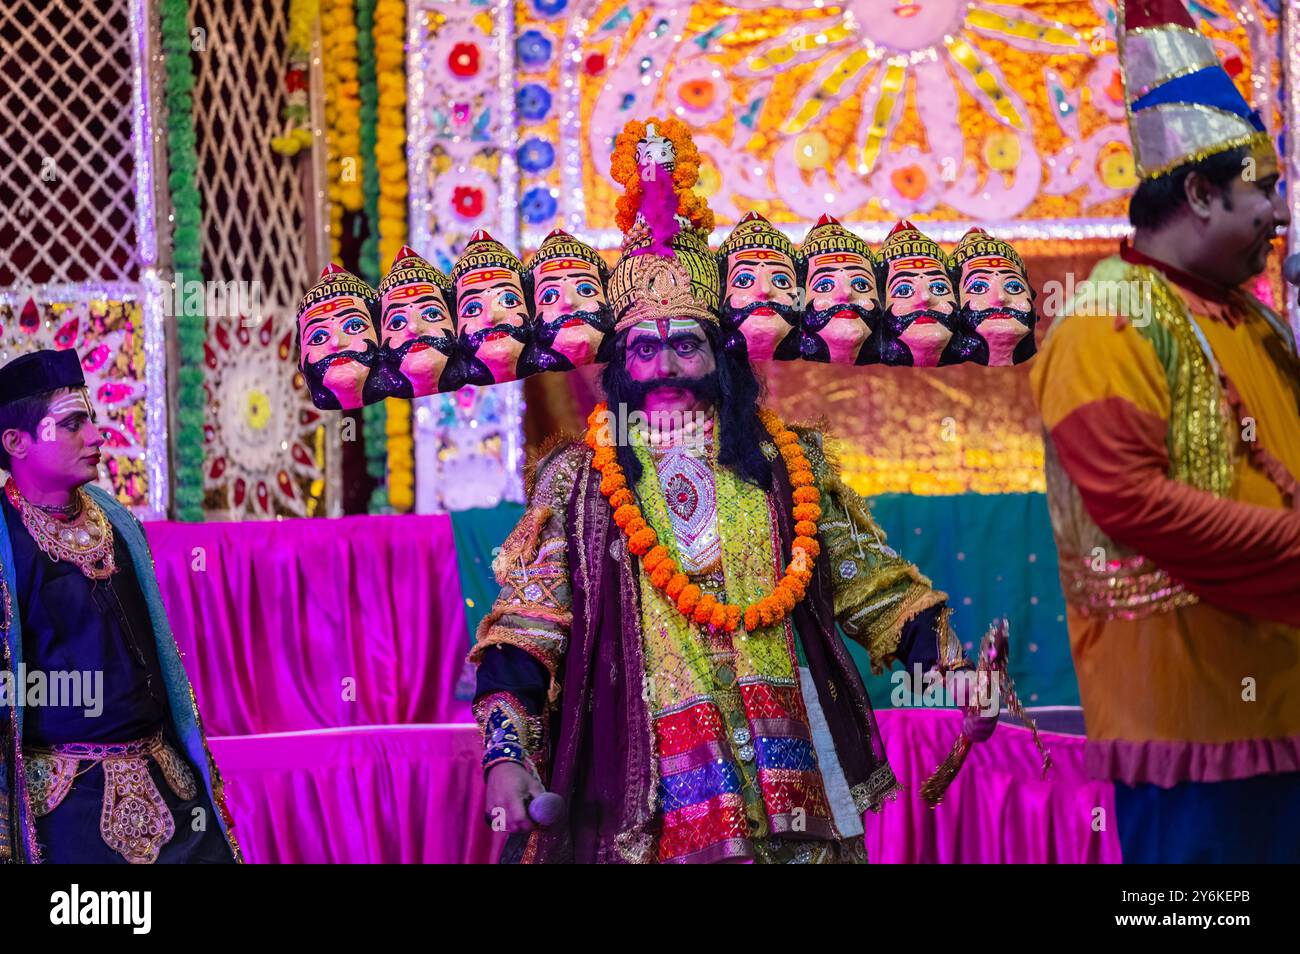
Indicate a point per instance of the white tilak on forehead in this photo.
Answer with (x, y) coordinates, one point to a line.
(70, 403)
(664, 328)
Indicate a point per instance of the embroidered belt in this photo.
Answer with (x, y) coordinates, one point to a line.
(1127, 588)
(134, 820)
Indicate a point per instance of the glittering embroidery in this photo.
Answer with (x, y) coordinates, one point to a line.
(49, 779)
(134, 820)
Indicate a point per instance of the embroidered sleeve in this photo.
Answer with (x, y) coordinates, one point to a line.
(881, 600)
(510, 732)
(533, 610)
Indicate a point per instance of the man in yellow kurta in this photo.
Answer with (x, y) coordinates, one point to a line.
(1171, 401)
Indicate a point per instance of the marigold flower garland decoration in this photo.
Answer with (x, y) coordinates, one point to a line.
(297, 111)
(665, 575)
(686, 171)
(342, 114)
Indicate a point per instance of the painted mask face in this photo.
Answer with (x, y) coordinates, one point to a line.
(573, 316)
(843, 307)
(420, 333)
(493, 320)
(761, 301)
(996, 309)
(339, 346)
(920, 311)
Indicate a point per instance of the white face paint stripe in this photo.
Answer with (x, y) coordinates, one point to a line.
(70, 403)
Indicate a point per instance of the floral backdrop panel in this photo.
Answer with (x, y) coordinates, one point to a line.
(1009, 114)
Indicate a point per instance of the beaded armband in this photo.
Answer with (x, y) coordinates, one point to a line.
(510, 734)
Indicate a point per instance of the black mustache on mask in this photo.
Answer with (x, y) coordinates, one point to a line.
(734, 317)
(445, 343)
(973, 319)
(705, 388)
(897, 324)
(602, 319)
(815, 320)
(313, 373)
(475, 339)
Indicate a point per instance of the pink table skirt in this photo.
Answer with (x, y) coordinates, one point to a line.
(414, 794)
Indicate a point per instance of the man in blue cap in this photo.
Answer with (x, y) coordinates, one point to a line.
(102, 758)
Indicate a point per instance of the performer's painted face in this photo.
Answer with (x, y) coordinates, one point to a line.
(843, 305)
(920, 307)
(419, 329)
(996, 305)
(63, 452)
(573, 314)
(672, 367)
(493, 317)
(339, 345)
(761, 300)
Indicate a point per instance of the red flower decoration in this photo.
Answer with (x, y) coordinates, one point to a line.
(295, 80)
(463, 59)
(467, 201)
(594, 64)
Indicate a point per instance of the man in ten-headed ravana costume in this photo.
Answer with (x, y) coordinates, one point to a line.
(118, 771)
(664, 654)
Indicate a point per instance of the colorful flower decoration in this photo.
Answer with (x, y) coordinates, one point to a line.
(593, 64)
(536, 155)
(698, 94)
(550, 8)
(533, 101)
(656, 559)
(467, 201)
(811, 151)
(468, 192)
(463, 60)
(108, 337)
(538, 205)
(1116, 166)
(905, 181)
(1002, 151)
(296, 113)
(534, 49)
(263, 437)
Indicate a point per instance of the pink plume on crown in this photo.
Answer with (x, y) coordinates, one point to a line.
(659, 209)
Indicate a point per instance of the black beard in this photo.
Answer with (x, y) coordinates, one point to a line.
(894, 351)
(813, 348)
(787, 350)
(314, 374)
(975, 349)
(542, 356)
(705, 388)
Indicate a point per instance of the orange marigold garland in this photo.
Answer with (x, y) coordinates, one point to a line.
(667, 577)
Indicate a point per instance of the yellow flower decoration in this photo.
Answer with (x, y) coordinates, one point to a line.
(1002, 151)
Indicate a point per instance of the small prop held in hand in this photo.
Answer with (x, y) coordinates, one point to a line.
(992, 671)
(546, 809)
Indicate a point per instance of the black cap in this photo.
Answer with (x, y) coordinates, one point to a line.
(38, 372)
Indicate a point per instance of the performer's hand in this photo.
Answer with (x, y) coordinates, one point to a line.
(509, 787)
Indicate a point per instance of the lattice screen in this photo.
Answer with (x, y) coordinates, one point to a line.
(67, 170)
(253, 221)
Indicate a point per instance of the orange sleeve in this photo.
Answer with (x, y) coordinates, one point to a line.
(1104, 401)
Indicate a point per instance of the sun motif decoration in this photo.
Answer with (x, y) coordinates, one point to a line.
(108, 338)
(948, 110)
(263, 439)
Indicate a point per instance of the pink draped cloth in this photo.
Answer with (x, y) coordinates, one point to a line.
(324, 655)
(397, 794)
(312, 624)
(998, 809)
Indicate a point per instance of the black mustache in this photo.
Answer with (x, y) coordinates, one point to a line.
(368, 357)
(602, 319)
(705, 388)
(973, 319)
(817, 319)
(735, 316)
(445, 343)
(475, 338)
(897, 324)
